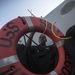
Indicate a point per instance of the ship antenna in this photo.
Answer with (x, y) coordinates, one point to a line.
(31, 13)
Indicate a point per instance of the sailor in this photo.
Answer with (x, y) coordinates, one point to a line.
(38, 59)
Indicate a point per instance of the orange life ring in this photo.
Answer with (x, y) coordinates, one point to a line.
(11, 32)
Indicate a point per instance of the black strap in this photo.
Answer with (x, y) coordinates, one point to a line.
(10, 69)
(15, 71)
(22, 20)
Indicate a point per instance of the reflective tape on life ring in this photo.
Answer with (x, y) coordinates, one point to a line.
(60, 43)
(8, 60)
(53, 73)
(30, 23)
(11, 32)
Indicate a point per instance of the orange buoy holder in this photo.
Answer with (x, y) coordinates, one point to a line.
(10, 34)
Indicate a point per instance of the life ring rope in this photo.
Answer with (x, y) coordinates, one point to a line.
(65, 38)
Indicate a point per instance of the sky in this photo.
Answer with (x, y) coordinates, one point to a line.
(10, 9)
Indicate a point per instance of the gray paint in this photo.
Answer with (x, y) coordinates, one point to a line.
(63, 22)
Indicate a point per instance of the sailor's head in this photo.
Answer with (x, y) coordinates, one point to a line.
(42, 39)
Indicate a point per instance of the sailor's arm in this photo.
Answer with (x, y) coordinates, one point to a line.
(29, 41)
